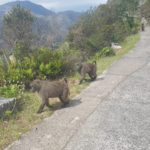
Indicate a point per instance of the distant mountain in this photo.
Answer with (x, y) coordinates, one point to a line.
(52, 27)
(35, 8)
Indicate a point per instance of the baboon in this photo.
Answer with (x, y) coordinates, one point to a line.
(47, 89)
(88, 68)
(142, 27)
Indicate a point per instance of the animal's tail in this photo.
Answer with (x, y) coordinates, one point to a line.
(94, 62)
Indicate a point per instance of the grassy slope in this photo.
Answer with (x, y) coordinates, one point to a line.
(23, 121)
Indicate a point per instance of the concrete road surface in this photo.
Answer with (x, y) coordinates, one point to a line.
(113, 113)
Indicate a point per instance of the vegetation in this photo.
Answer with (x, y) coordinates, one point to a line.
(51, 26)
(18, 30)
(145, 11)
(92, 35)
(111, 22)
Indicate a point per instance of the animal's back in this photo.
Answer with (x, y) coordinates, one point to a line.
(52, 89)
(85, 68)
(90, 67)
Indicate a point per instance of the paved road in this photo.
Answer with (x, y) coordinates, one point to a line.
(113, 113)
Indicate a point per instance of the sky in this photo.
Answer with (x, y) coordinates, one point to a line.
(62, 5)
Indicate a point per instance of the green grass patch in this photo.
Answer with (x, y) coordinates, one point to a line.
(13, 127)
(104, 62)
(24, 119)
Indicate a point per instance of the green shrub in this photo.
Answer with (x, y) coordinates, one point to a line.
(13, 75)
(105, 52)
(12, 90)
(43, 64)
(52, 69)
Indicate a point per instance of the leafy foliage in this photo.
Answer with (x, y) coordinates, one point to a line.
(12, 90)
(43, 64)
(145, 10)
(92, 34)
(111, 22)
(105, 52)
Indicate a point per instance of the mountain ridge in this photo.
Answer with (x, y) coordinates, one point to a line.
(53, 26)
(35, 8)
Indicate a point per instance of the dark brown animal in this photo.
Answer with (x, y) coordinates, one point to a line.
(88, 68)
(47, 89)
(142, 27)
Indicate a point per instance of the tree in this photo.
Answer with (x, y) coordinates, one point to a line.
(18, 24)
(145, 10)
(99, 27)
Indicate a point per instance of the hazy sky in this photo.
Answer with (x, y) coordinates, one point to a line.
(61, 5)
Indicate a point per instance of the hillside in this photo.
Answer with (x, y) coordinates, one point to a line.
(53, 27)
(99, 27)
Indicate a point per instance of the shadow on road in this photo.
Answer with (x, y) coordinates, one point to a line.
(59, 105)
(100, 78)
(97, 79)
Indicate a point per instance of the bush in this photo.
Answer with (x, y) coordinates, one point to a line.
(13, 75)
(55, 64)
(43, 64)
(105, 52)
(51, 69)
(12, 90)
(48, 64)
